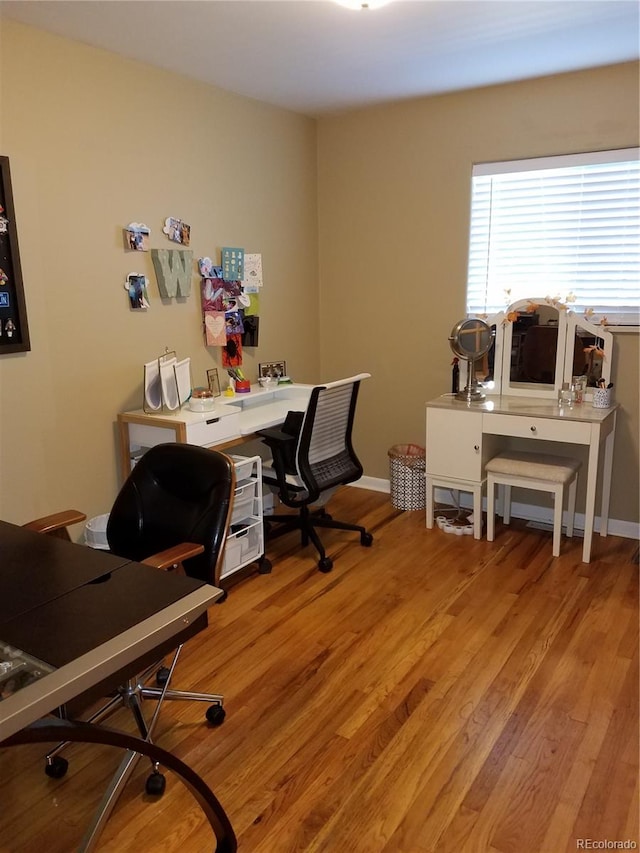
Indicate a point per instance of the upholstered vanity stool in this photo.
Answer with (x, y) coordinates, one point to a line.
(537, 471)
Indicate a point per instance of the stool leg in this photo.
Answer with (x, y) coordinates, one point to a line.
(429, 488)
(558, 494)
(571, 505)
(507, 503)
(491, 508)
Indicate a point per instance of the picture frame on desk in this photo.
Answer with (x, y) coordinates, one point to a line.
(14, 328)
(272, 368)
(213, 381)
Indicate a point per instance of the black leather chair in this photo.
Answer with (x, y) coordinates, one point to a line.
(312, 456)
(174, 508)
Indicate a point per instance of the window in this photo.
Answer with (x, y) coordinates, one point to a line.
(565, 227)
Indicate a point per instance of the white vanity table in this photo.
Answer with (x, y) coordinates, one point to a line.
(462, 436)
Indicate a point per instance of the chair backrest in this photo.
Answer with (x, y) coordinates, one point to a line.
(176, 493)
(325, 457)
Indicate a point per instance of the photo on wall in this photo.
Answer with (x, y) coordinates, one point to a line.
(251, 325)
(232, 352)
(136, 237)
(136, 287)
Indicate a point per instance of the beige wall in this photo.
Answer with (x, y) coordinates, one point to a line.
(394, 198)
(95, 142)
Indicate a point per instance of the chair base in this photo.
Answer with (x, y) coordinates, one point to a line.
(306, 520)
(132, 695)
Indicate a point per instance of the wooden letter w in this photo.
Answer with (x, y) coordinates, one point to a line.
(173, 271)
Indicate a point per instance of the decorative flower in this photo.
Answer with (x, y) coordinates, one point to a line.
(594, 350)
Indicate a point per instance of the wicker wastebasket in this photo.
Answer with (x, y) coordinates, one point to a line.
(407, 464)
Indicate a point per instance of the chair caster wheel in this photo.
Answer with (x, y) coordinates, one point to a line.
(215, 715)
(155, 784)
(57, 767)
(264, 566)
(325, 564)
(162, 676)
(366, 539)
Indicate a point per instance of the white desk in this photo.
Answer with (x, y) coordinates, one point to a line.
(232, 419)
(462, 436)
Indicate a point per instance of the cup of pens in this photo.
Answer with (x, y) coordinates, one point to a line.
(603, 396)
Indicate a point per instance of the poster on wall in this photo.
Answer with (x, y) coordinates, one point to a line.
(14, 330)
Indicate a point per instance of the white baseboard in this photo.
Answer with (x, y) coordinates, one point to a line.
(374, 484)
(529, 512)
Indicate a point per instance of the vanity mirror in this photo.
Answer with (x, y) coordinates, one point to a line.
(471, 340)
(589, 353)
(533, 349)
(539, 344)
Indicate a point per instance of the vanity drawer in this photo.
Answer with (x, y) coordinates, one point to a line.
(545, 429)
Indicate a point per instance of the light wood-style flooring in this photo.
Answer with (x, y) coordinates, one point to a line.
(432, 694)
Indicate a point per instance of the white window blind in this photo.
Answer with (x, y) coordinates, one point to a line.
(559, 227)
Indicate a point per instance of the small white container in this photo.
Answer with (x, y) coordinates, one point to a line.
(202, 400)
(95, 532)
(602, 398)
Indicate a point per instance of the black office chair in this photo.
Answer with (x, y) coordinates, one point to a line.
(312, 456)
(175, 505)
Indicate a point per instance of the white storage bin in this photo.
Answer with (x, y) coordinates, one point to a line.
(243, 503)
(232, 556)
(245, 542)
(244, 467)
(251, 544)
(243, 547)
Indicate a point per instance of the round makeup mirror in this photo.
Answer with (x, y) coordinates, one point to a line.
(471, 339)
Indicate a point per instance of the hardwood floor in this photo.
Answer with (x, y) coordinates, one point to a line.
(432, 694)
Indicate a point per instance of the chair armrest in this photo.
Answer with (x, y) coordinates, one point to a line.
(276, 436)
(56, 524)
(282, 446)
(172, 557)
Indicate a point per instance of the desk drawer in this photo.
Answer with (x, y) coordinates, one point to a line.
(544, 429)
(205, 434)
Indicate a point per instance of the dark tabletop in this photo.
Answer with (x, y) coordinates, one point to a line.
(36, 569)
(66, 627)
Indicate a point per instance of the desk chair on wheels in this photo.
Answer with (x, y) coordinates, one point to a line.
(312, 456)
(175, 505)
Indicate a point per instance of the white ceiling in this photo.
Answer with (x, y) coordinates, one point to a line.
(315, 57)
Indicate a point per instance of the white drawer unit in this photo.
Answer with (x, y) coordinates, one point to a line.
(245, 540)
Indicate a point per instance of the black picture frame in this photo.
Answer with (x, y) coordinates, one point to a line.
(213, 381)
(14, 328)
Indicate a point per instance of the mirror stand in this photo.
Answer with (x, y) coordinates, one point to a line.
(472, 392)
